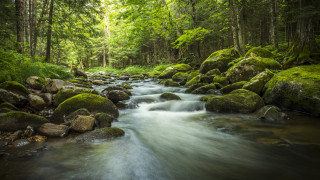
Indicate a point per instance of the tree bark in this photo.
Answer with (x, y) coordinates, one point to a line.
(104, 62)
(20, 24)
(274, 24)
(44, 9)
(235, 29)
(107, 30)
(49, 33)
(26, 25)
(33, 27)
(241, 27)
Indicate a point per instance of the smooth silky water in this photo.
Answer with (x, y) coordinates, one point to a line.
(166, 140)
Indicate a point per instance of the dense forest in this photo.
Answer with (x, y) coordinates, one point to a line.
(119, 33)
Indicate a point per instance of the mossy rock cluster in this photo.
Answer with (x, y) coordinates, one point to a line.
(126, 85)
(296, 89)
(36, 82)
(94, 103)
(172, 70)
(204, 89)
(221, 80)
(250, 67)
(257, 83)
(238, 101)
(17, 120)
(103, 120)
(15, 87)
(117, 95)
(64, 94)
(193, 81)
(180, 77)
(258, 52)
(218, 60)
(194, 86)
(13, 98)
(231, 87)
(81, 83)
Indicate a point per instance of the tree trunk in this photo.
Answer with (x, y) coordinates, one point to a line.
(33, 27)
(49, 33)
(235, 29)
(44, 9)
(20, 24)
(274, 24)
(26, 25)
(107, 30)
(239, 10)
(104, 62)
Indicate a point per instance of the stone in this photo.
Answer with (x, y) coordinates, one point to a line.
(169, 96)
(271, 113)
(48, 98)
(258, 52)
(116, 95)
(82, 124)
(257, 83)
(37, 139)
(12, 98)
(15, 87)
(98, 82)
(8, 106)
(295, 89)
(221, 80)
(247, 68)
(231, 87)
(36, 102)
(14, 136)
(73, 115)
(54, 130)
(171, 83)
(103, 120)
(126, 85)
(237, 101)
(79, 73)
(110, 88)
(180, 76)
(54, 85)
(213, 72)
(204, 89)
(65, 93)
(193, 81)
(94, 103)
(99, 134)
(16, 120)
(172, 70)
(36, 82)
(194, 86)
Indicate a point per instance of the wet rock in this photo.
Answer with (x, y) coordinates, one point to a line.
(126, 85)
(193, 81)
(221, 80)
(36, 82)
(17, 120)
(36, 102)
(99, 134)
(126, 78)
(180, 76)
(49, 129)
(218, 60)
(259, 52)
(172, 70)
(15, 87)
(121, 105)
(8, 106)
(169, 96)
(66, 93)
(171, 83)
(247, 68)
(54, 85)
(257, 83)
(73, 115)
(14, 136)
(92, 102)
(98, 82)
(271, 113)
(204, 89)
(15, 99)
(213, 72)
(194, 86)
(20, 143)
(116, 95)
(111, 88)
(240, 100)
(48, 98)
(206, 78)
(231, 87)
(103, 120)
(28, 132)
(296, 89)
(82, 124)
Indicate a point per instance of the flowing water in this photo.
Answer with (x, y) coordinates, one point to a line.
(171, 140)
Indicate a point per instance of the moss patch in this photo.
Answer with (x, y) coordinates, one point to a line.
(169, 96)
(180, 76)
(193, 81)
(15, 87)
(171, 83)
(204, 89)
(231, 87)
(259, 52)
(257, 83)
(64, 94)
(99, 134)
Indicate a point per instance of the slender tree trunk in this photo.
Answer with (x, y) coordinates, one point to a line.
(235, 29)
(107, 31)
(49, 33)
(274, 24)
(26, 25)
(33, 28)
(20, 24)
(44, 9)
(240, 24)
(104, 62)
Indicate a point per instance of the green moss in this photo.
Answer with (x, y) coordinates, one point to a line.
(126, 85)
(204, 89)
(194, 86)
(193, 81)
(81, 83)
(180, 76)
(169, 96)
(100, 134)
(17, 120)
(81, 111)
(94, 103)
(231, 87)
(257, 83)
(64, 94)
(154, 74)
(171, 83)
(213, 72)
(182, 67)
(259, 52)
(218, 85)
(15, 87)
(8, 106)
(103, 120)
(206, 97)
(5, 110)
(240, 100)
(206, 78)
(172, 70)
(221, 80)
(192, 75)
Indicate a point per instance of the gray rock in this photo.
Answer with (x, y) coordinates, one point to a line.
(99, 134)
(82, 124)
(116, 95)
(271, 113)
(15, 99)
(49, 129)
(35, 82)
(36, 102)
(54, 85)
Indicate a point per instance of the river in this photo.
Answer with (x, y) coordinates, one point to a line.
(172, 140)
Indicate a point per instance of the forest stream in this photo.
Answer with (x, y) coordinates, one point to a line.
(180, 140)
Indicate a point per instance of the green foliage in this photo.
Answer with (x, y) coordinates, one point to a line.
(189, 36)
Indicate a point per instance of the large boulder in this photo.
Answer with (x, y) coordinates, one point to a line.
(169, 96)
(259, 52)
(36, 82)
(36, 102)
(94, 103)
(240, 101)
(257, 83)
(66, 93)
(82, 124)
(15, 87)
(172, 70)
(99, 134)
(180, 76)
(103, 120)
(171, 83)
(204, 89)
(79, 73)
(10, 97)
(218, 60)
(54, 85)
(271, 113)
(250, 67)
(17, 120)
(117, 95)
(296, 89)
(193, 81)
(73, 115)
(195, 86)
(231, 87)
(54, 130)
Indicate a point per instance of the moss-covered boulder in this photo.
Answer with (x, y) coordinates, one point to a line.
(82, 124)
(154, 74)
(99, 134)
(271, 113)
(296, 88)
(213, 72)
(218, 60)
(195, 86)
(193, 81)
(8, 106)
(258, 52)
(94, 103)
(36, 82)
(172, 70)
(169, 96)
(16, 120)
(54, 130)
(180, 76)
(126, 85)
(111, 88)
(247, 68)
(79, 82)
(206, 78)
(231, 87)
(204, 89)
(78, 112)
(239, 101)
(221, 80)
(54, 85)
(66, 93)
(36, 102)
(15, 87)
(171, 83)
(192, 74)
(116, 95)
(12, 98)
(257, 83)
(103, 120)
